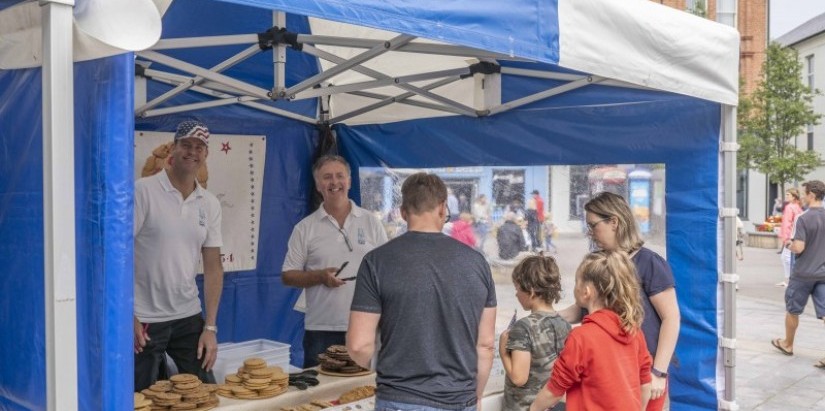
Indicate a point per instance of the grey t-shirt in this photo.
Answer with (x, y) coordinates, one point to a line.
(430, 290)
(541, 334)
(810, 228)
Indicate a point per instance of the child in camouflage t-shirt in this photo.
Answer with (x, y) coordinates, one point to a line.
(530, 347)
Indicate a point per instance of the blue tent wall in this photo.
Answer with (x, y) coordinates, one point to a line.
(681, 132)
(103, 152)
(254, 303)
(22, 312)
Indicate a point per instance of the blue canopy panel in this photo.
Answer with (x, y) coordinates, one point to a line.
(191, 18)
(4, 4)
(103, 169)
(525, 28)
(681, 132)
(254, 303)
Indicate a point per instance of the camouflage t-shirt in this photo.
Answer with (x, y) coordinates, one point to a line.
(542, 334)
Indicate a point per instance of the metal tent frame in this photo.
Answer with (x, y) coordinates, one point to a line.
(482, 66)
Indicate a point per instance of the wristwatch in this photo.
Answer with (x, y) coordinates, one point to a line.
(658, 373)
(212, 328)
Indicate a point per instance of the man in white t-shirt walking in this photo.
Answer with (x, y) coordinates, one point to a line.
(177, 224)
(336, 235)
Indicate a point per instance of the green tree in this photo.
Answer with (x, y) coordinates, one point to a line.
(773, 115)
(699, 8)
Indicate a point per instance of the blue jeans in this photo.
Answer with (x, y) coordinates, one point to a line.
(384, 405)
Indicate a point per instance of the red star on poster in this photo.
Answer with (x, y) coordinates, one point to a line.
(225, 147)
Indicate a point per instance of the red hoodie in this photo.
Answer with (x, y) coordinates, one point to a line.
(601, 366)
(463, 231)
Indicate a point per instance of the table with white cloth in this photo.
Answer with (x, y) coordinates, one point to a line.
(330, 388)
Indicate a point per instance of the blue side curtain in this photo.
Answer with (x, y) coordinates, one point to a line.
(680, 132)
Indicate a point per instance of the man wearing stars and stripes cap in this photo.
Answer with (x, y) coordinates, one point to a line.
(192, 129)
(177, 225)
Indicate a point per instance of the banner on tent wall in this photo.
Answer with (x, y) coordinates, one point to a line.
(234, 173)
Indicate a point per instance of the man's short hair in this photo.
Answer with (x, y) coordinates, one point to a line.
(326, 159)
(816, 187)
(422, 192)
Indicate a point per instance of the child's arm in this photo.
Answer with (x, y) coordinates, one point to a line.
(571, 314)
(544, 400)
(516, 362)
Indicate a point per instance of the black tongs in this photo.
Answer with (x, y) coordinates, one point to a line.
(304, 379)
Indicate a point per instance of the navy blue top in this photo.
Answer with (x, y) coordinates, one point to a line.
(655, 276)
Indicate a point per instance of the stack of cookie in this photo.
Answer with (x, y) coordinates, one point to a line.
(254, 380)
(142, 403)
(181, 392)
(337, 360)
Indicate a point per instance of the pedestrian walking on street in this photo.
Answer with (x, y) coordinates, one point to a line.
(791, 211)
(808, 276)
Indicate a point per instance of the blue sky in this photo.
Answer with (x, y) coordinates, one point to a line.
(785, 15)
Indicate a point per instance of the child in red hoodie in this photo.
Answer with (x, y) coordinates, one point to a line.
(605, 364)
(463, 230)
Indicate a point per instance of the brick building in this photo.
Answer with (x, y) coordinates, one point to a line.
(752, 22)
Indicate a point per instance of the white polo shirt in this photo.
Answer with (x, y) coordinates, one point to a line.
(169, 234)
(317, 243)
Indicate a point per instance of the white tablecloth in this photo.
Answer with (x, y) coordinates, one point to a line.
(330, 388)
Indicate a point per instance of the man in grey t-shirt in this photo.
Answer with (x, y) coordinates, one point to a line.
(434, 300)
(808, 276)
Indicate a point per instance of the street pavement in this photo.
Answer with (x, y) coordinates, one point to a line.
(765, 378)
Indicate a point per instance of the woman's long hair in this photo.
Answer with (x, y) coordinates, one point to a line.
(614, 277)
(609, 205)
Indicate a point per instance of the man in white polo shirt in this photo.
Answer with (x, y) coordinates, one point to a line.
(177, 224)
(338, 233)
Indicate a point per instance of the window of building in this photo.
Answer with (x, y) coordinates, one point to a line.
(810, 137)
(810, 61)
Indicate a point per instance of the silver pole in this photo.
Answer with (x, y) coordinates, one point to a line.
(728, 344)
(58, 205)
(726, 14)
(279, 56)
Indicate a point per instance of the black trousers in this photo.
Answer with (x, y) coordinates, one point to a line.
(179, 339)
(316, 342)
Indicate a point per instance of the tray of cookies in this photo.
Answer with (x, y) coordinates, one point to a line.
(336, 361)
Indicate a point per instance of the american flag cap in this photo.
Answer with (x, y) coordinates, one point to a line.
(193, 129)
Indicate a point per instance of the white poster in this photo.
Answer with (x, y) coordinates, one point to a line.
(234, 173)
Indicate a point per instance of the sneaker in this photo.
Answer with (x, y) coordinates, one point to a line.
(781, 284)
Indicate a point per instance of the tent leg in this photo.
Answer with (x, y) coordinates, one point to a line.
(59, 205)
(729, 277)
